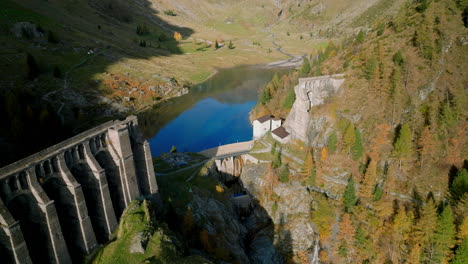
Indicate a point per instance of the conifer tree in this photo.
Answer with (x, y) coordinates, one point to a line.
(461, 255)
(231, 46)
(369, 180)
(349, 137)
(305, 69)
(401, 227)
(357, 149)
(459, 185)
(309, 168)
(349, 196)
(346, 237)
(273, 149)
(33, 69)
(277, 159)
(266, 96)
(444, 236)
(284, 173)
(275, 82)
(461, 219)
(425, 226)
(403, 146)
(324, 154)
(332, 141)
(426, 145)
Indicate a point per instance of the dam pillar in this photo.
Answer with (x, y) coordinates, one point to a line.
(57, 249)
(85, 237)
(11, 238)
(144, 162)
(105, 211)
(119, 137)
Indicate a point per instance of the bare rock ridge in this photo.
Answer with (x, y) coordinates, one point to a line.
(58, 204)
(310, 92)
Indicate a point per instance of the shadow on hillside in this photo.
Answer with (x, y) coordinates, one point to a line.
(223, 226)
(38, 95)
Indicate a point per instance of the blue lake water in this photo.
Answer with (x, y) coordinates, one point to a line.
(214, 113)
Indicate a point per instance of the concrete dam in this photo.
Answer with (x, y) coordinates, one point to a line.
(59, 204)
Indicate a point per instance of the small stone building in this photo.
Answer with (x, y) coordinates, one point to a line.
(264, 124)
(276, 122)
(281, 135)
(261, 126)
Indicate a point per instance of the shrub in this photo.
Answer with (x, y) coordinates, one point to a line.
(305, 69)
(398, 58)
(284, 174)
(277, 159)
(52, 38)
(170, 12)
(332, 141)
(57, 72)
(33, 69)
(173, 149)
(142, 30)
(360, 36)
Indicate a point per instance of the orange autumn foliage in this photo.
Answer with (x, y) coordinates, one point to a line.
(177, 36)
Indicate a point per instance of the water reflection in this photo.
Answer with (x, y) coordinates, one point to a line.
(213, 113)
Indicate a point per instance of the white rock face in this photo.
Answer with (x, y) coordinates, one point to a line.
(309, 92)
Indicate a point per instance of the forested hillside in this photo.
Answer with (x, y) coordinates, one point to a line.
(397, 134)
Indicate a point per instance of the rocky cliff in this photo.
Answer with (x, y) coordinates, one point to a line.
(310, 92)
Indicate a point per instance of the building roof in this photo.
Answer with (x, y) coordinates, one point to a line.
(277, 118)
(280, 132)
(263, 119)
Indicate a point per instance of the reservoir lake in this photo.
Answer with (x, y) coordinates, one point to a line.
(213, 113)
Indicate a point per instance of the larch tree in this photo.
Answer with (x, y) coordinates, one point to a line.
(400, 233)
(426, 145)
(357, 149)
(346, 238)
(349, 137)
(424, 228)
(461, 216)
(309, 168)
(403, 147)
(324, 154)
(177, 36)
(369, 180)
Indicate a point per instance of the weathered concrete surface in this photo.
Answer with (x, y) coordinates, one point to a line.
(56, 205)
(228, 149)
(309, 92)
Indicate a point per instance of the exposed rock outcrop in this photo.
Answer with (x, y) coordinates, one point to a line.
(289, 211)
(310, 92)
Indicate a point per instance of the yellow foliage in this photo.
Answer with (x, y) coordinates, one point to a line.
(177, 36)
(324, 154)
(219, 189)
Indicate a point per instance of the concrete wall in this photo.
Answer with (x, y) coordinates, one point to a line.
(58, 204)
(260, 129)
(310, 92)
(275, 124)
(280, 140)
